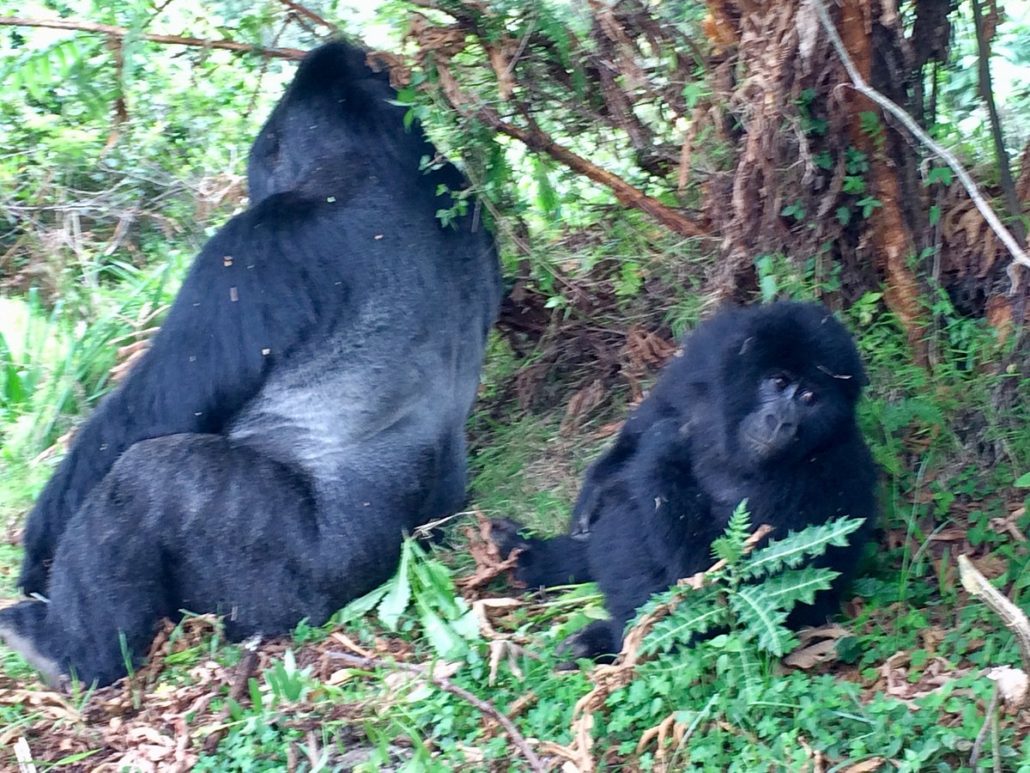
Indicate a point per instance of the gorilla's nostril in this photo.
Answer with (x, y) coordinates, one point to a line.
(771, 422)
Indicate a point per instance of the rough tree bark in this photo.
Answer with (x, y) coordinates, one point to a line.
(787, 78)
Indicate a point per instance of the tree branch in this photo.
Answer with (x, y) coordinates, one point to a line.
(447, 685)
(858, 83)
(537, 140)
(175, 40)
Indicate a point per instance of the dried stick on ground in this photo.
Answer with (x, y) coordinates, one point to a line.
(1015, 619)
(447, 685)
(859, 84)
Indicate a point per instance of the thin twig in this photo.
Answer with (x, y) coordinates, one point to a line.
(992, 709)
(23, 754)
(307, 13)
(447, 685)
(176, 40)
(859, 84)
(539, 141)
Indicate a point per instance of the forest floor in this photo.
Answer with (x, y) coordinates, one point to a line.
(449, 667)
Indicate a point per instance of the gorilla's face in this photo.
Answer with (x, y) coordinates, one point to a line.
(789, 386)
(791, 415)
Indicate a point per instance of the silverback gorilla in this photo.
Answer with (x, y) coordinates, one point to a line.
(760, 406)
(302, 406)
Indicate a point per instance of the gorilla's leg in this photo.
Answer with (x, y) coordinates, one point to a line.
(195, 522)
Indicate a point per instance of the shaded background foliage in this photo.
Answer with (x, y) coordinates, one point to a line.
(639, 162)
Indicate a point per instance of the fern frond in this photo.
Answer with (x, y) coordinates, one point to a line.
(797, 546)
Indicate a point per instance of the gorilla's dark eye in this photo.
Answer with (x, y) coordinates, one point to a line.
(781, 382)
(807, 397)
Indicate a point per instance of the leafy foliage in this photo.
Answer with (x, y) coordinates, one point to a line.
(752, 595)
(424, 584)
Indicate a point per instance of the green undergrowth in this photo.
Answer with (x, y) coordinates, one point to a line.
(902, 686)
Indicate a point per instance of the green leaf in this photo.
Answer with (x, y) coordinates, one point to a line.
(685, 623)
(467, 626)
(443, 639)
(730, 546)
(1023, 481)
(365, 604)
(399, 594)
(939, 174)
(762, 619)
(254, 689)
(786, 589)
(795, 547)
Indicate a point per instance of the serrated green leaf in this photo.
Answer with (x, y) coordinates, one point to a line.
(467, 625)
(787, 588)
(683, 625)
(797, 546)
(762, 619)
(365, 604)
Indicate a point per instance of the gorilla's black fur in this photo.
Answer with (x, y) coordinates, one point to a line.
(760, 406)
(302, 406)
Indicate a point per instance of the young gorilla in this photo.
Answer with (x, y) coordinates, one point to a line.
(760, 406)
(302, 406)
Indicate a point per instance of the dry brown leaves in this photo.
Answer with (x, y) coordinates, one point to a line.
(962, 225)
(817, 647)
(156, 736)
(141, 724)
(643, 352)
(905, 681)
(580, 405)
(490, 564)
(668, 736)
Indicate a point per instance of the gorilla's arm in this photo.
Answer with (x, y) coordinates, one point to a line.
(586, 510)
(248, 299)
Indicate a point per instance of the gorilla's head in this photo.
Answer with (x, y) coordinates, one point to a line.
(773, 384)
(336, 129)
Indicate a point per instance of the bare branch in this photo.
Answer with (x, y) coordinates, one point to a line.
(175, 40)
(859, 84)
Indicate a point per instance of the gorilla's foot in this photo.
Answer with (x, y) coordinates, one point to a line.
(595, 642)
(21, 629)
(505, 535)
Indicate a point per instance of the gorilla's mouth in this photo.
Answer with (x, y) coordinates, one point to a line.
(764, 449)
